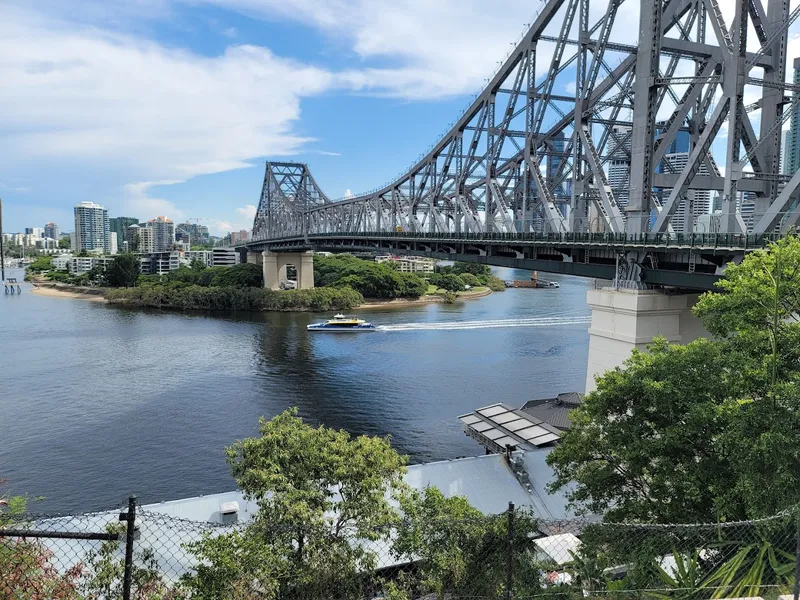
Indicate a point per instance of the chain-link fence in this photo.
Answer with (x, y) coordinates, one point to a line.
(145, 554)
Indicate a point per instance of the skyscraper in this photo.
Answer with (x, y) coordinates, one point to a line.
(619, 166)
(792, 162)
(696, 202)
(554, 160)
(163, 233)
(120, 226)
(52, 231)
(91, 228)
(198, 234)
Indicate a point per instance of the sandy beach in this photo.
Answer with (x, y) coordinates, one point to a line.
(430, 298)
(61, 293)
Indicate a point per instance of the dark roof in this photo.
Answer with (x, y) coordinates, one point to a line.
(554, 411)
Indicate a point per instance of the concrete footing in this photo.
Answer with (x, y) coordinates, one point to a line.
(626, 319)
(274, 265)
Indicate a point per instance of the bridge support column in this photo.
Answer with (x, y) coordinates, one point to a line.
(626, 319)
(254, 258)
(270, 270)
(305, 272)
(275, 272)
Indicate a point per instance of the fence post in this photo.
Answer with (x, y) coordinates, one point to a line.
(130, 518)
(510, 557)
(797, 554)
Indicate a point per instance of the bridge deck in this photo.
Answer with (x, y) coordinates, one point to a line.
(693, 261)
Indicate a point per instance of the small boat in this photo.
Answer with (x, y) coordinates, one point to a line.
(342, 323)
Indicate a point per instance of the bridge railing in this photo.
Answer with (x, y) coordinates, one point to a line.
(662, 240)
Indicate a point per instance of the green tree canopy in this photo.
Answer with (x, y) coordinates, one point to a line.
(706, 431)
(451, 283)
(123, 271)
(319, 491)
(371, 279)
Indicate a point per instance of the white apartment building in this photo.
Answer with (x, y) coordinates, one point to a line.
(159, 263)
(163, 233)
(141, 239)
(408, 264)
(224, 257)
(78, 265)
(205, 257)
(91, 228)
(61, 262)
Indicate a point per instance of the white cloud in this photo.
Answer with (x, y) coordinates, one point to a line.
(138, 202)
(248, 211)
(137, 111)
(441, 48)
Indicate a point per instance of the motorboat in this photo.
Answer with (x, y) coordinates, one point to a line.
(340, 323)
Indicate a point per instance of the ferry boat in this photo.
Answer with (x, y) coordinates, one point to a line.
(342, 323)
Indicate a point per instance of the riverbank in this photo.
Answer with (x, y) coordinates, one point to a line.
(57, 290)
(54, 290)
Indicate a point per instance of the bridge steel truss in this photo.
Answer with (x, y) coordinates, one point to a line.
(526, 157)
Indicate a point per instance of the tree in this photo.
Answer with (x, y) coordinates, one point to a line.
(706, 431)
(647, 434)
(243, 275)
(123, 271)
(318, 491)
(461, 552)
(759, 313)
(477, 269)
(469, 279)
(451, 283)
(64, 243)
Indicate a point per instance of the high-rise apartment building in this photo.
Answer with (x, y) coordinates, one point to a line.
(792, 162)
(697, 202)
(198, 234)
(91, 228)
(619, 166)
(163, 234)
(52, 231)
(140, 239)
(553, 164)
(120, 225)
(238, 237)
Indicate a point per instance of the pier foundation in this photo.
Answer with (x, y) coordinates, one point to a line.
(275, 266)
(624, 319)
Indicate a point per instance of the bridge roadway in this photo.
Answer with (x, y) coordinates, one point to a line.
(687, 262)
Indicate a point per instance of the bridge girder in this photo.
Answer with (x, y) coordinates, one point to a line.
(526, 157)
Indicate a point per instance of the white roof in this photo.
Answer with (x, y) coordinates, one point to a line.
(487, 482)
(559, 547)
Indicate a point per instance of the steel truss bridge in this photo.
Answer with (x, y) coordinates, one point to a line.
(657, 129)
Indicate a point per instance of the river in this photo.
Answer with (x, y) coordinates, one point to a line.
(97, 402)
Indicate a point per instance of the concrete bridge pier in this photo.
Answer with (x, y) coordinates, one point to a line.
(624, 319)
(274, 265)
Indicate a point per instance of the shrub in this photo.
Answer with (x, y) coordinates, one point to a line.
(469, 279)
(179, 295)
(496, 284)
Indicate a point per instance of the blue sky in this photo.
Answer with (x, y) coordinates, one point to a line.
(171, 107)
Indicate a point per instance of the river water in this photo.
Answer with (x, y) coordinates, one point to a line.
(98, 402)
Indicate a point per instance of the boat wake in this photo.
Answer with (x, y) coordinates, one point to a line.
(554, 321)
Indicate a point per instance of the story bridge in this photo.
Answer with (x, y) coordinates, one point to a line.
(653, 159)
